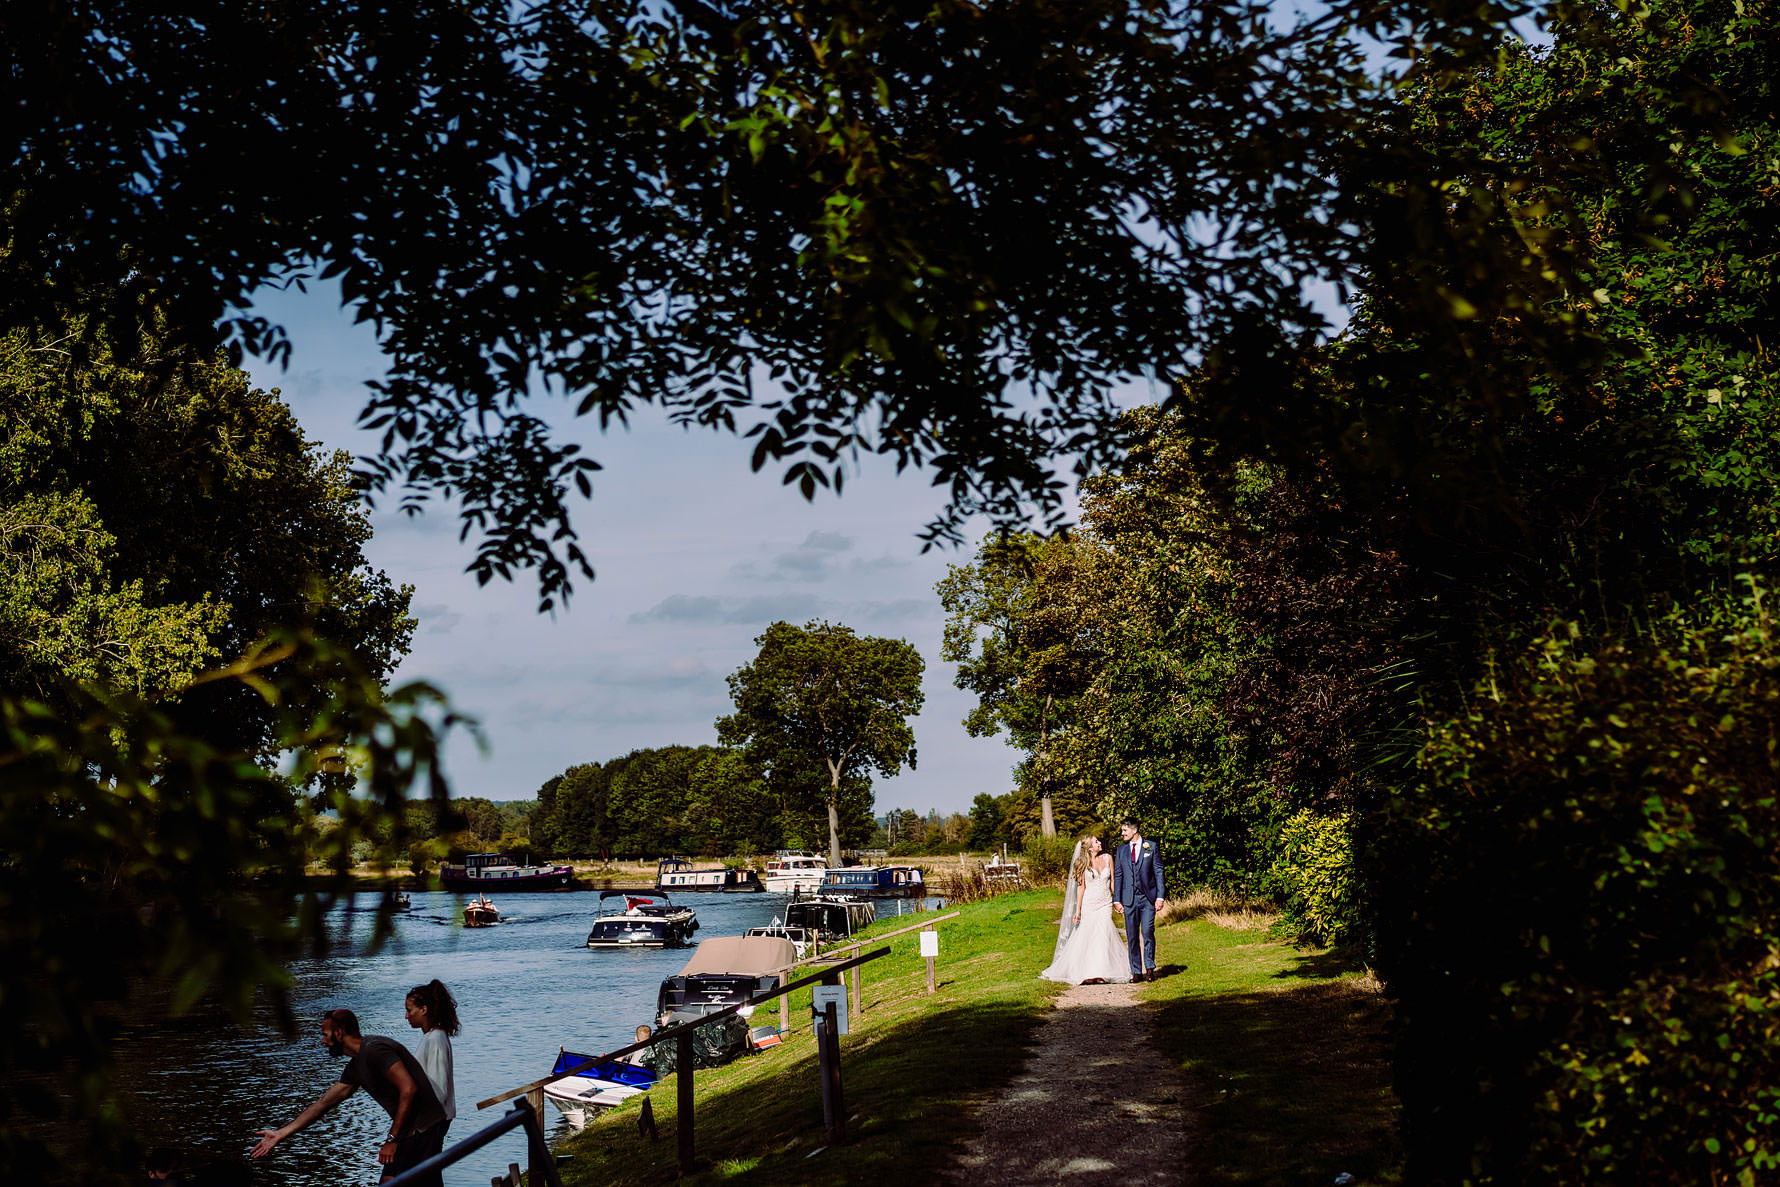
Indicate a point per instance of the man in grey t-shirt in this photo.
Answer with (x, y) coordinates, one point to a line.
(393, 1077)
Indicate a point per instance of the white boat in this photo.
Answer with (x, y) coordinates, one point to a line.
(594, 1089)
(794, 871)
(803, 940)
(641, 919)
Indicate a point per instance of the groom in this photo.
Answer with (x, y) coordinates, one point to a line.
(1137, 887)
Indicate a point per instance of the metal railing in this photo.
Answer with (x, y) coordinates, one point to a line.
(828, 1052)
(522, 1116)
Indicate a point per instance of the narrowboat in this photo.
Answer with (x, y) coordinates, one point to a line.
(677, 873)
(794, 872)
(641, 919)
(595, 1088)
(484, 873)
(830, 920)
(874, 882)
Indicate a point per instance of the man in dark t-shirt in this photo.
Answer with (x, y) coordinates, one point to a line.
(395, 1080)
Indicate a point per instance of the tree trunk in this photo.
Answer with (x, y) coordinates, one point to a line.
(834, 827)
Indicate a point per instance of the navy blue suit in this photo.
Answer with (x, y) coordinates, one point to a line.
(1136, 886)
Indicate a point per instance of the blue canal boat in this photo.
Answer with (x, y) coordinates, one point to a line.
(873, 882)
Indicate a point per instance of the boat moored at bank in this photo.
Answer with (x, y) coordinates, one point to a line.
(679, 875)
(874, 882)
(593, 1089)
(794, 872)
(830, 920)
(484, 873)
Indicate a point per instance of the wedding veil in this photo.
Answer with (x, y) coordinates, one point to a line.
(1066, 925)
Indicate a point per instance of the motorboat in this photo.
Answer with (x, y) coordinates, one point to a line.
(831, 920)
(481, 913)
(678, 873)
(794, 871)
(725, 971)
(874, 882)
(802, 938)
(641, 919)
(399, 901)
(483, 873)
(595, 1088)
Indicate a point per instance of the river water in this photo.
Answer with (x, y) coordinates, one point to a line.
(524, 988)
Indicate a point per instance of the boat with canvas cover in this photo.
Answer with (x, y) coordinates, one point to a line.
(641, 919)
(725, 971)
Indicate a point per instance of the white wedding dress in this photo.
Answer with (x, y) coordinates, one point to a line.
(1095, 948)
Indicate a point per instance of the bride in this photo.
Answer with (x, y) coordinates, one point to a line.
(1089, 947)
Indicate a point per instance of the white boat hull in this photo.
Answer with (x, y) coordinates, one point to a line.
(580, 1098)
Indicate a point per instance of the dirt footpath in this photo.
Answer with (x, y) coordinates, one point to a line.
(1095, 1103)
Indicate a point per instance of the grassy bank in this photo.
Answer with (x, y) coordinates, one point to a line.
(1285, 1051)
(912, 1070)
(1282, 1045)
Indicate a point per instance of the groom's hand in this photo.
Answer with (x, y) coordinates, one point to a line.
(1160, 903)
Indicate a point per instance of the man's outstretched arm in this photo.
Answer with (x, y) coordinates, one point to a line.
(336, 1093)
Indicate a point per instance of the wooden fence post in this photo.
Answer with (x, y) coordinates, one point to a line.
(683, 1076)
(536, 1157)
(857, 1005)
(828, 1060)
(930, 983)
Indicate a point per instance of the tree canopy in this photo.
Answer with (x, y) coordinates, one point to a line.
(934, 231)
(821, 709)
(184, 607)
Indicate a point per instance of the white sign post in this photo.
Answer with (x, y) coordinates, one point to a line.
(821, 995)
(930, 951)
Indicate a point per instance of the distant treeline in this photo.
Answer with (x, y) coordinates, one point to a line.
(698, 800)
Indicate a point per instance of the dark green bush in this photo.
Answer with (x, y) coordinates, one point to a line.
(1581, 902)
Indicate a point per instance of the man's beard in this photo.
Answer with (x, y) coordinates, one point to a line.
(335, 1047)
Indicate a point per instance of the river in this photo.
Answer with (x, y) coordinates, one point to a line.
(524, 988)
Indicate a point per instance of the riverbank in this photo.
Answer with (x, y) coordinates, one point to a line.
(1282, 1048)
(594, 875)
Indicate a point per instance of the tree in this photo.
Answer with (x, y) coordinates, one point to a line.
(985, 823)
(189, 635)
(157, 517)
(820, 702)
(1019, 627)
(850, 201)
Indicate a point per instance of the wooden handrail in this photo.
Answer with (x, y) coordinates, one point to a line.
(931, 920)
(672, 1032)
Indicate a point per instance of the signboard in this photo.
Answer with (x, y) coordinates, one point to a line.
(822, 995)
(930, 944)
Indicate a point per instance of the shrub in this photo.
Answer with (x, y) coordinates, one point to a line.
(1579, 906)
(1316, 880)
(1044, 860)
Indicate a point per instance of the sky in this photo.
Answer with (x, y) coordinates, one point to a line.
(695, 555)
